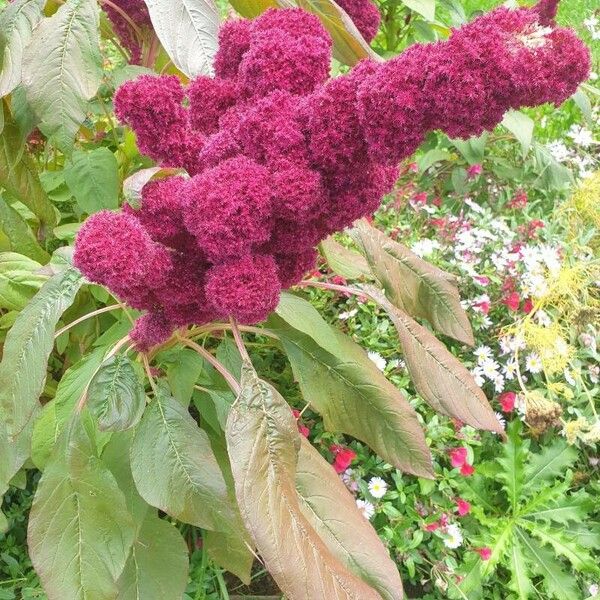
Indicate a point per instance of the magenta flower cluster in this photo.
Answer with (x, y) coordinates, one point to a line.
(279, 155)
(122, 13)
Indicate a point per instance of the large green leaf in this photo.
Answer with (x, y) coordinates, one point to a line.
(415, 286)
(62, 70)
(332, 512)
(514, 453)
(20, 280)
(17, 21)
(520, 582)
(521, 126)
(263, 444)
(80, 531)
(562, 509)
(344, 261)
(188, 32)
(558, 583)
(349, 46)
(157, 568)
(116, 395)
(56, 413)
(438, 375)
(253, 8)
(18, 175)
(174, 467)
(547, 465)
(19, 234)
(342, 383)
(93, 178)
(28, 346)
(426, 8)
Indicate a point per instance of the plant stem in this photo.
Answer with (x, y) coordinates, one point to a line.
(237, 336)
(229, 378)
(85, 317)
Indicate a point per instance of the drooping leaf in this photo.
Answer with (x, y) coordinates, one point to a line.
(93, 178)
(187, 29)
(333, 514)
(349, 46)
(344, 261)
(62, 70)
(521, 126)
(80, 531)
(18, 175)
(116, 395)
(438, 376)
(558, 583)
(342, 383)
(20, 280)
(56, 413)
(174, 467)
(157, 567)
(28, 346)
(263, 443)
(520, 582)
(17, 21)
(19, 234)
(415, 286)
(514, 453)
(547, 465)
(426, 8)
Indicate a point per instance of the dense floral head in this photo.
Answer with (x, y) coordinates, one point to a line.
(364, 14)
(279, 156)
(125, 15)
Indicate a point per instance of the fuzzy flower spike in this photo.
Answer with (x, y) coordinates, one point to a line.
(280, 156)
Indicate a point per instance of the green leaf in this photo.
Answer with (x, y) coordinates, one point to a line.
(582, 100)
(514, 453)
(521, 126)
(562, 509)
(252, 8)
(174, 467)
(438, 376)
(552, 174)
(55, 415)
(19, 234)
(520, 582)
(332, 512)
(472, 149)
(547, 465)
(263, 444)
(80, 531)
(426, 8)
(157, 568)
(431, 157)
(62, 70)
(415, 286)
(188, 30)
(19, 280)
(341, 382)
(18, 175)
(344, 261)
(558, 584)
(183, 373)
(28, 346)
(116, 395)
(349, 46)
(93, 178)
(17, 21)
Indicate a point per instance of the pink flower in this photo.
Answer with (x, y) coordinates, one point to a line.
(512, 301)
(507, 401)
(527, 305)
(467, 470)
(462, 507)
(432, 526)
(484, 552)
(519, 200)
(458, 457)
(474, 171)
(482, 280)
(302, 428)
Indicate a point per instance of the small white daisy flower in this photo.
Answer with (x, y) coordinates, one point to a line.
(499, 384)
(379, 361)
(510, 369)
(501, 420)
(453, 538)
(478, 376)
(377, 487)
(366, 508)
(482, 353)
(533, 363)
(489, 369)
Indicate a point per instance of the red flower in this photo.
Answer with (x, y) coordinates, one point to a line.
(420, 198)
(432, 526)
(483, 306)
(462, 507)
(343, 458)
(444, 520)
(519, 200)
(484, 552)
(527, 305)
(302, 428)
(467, 470)
(512, 301)
(458, 457)
(507, 401)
